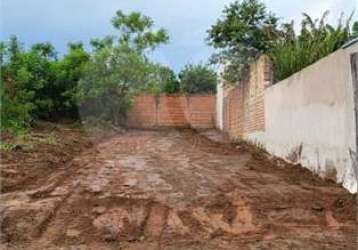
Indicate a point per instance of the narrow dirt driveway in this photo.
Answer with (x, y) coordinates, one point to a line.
(171, 190)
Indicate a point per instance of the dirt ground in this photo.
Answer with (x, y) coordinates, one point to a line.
(169, 190)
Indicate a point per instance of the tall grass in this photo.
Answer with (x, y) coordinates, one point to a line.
(317, 39)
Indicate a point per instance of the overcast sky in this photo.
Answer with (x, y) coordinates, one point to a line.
(62, 21)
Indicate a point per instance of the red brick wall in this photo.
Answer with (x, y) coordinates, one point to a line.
(143, 112)
(172, 111)
(148, 111)
(244, 102)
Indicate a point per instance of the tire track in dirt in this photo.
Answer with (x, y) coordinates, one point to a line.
(180, 190)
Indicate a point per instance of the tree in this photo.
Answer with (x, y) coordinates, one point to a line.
(44, 49)
(136, 31)
(119, 68)
(246, 31)
(99, 44)
(198, 79)
(111, 78)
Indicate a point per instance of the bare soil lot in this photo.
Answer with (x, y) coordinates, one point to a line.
(169, 190)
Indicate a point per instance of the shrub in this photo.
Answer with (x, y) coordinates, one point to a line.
(316, 40)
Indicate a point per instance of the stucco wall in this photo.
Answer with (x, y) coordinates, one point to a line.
(309, 118)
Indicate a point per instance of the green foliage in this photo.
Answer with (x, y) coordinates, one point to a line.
(165, 81)
(35, 84)
(119, 68)
(6, 146)
(99, 44)
(15, 113)
(316, 40)
(44, 49)
(198, 79)
(111, 78)
(168, 81)
(246, 30)
(16, 101)
(69, 71)
(97, 85)
(136, 31)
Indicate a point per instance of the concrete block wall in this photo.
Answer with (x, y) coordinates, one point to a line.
(179, 111)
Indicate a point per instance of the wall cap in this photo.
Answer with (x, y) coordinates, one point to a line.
(350, 43)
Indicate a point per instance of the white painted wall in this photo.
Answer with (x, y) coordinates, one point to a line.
(220, 104)
(315, 109)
